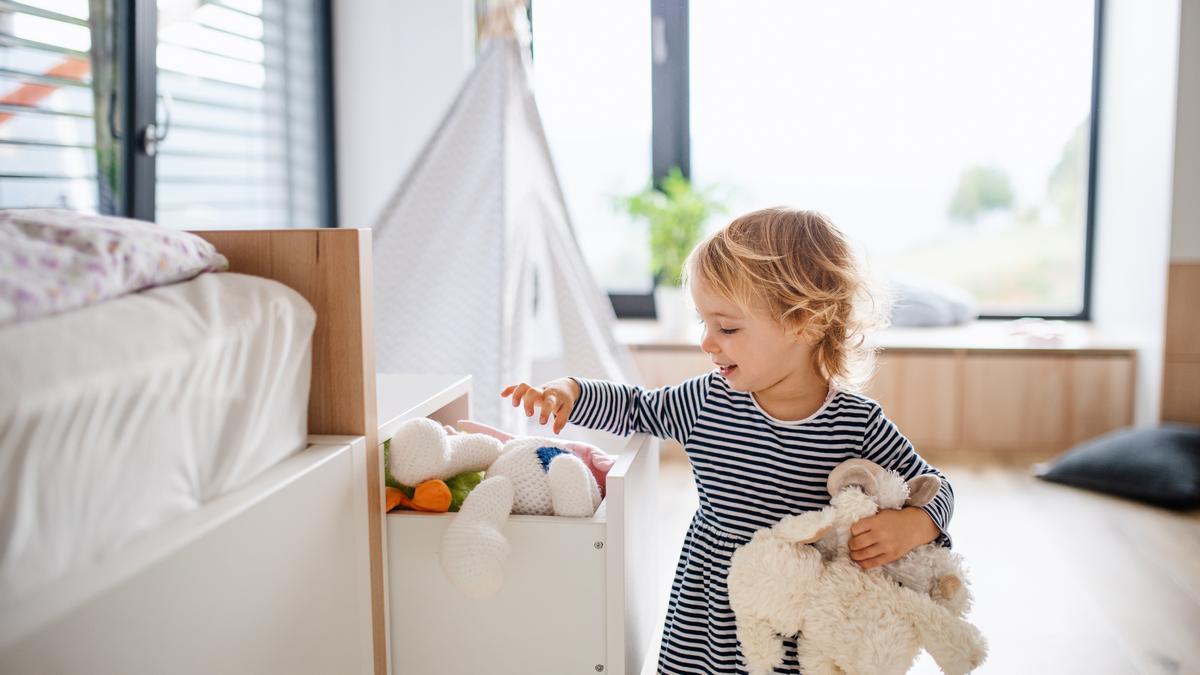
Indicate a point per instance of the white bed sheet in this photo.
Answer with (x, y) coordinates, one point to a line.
(118, 417)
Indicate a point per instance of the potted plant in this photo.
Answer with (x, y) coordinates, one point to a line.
(676, 213)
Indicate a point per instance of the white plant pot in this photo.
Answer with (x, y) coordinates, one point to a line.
(673, 308)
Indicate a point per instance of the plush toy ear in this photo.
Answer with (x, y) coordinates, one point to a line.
(472, 427)
(860, 472)
(922, 489)
(596, 459)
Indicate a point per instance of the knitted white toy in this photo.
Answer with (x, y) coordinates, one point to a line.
(848, 620)
(525, 475)
(423, 450)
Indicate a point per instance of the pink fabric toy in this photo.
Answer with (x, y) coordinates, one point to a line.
(596, 459)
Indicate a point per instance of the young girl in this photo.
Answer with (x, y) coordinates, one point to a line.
(783, 307)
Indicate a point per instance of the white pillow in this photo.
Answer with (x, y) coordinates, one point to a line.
(924, 303)
(53, 261)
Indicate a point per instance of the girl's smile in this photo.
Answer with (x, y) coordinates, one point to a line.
(755, 354)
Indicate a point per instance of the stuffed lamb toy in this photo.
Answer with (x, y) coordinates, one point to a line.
(930, 569)
(525, 475)
(849, 620)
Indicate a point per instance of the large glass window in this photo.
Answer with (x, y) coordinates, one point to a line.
(243, 145)
(949, 138)
(56, 98)
(592, 79)
(240, 103)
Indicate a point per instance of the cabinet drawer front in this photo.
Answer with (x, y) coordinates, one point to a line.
(1015, 403)
(921, 394)
(548, 617)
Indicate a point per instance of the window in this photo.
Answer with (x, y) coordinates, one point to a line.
(53, 107)
(952, 141)
(243, 149)
(236, 92)
(592, 77)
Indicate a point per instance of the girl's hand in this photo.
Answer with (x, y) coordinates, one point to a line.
(889, 534)
(556, 397)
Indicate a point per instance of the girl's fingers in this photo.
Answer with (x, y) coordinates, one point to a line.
(561, 413)
(549, 403)
(507, 390)
(861, 526)
(877, 561)
(531, 398)
(873, 551)
(862, 541)
(519, 393)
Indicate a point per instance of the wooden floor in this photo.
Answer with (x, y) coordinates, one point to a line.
(1065, 581)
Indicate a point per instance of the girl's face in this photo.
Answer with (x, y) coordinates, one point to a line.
(753, 351)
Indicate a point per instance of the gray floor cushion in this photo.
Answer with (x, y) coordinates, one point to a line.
(1160, 466)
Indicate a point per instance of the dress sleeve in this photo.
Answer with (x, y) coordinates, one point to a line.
(886, 446)
(668, 412)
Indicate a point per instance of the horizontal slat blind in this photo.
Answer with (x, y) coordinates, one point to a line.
(242, 147)
(243, 143)
(47, 132)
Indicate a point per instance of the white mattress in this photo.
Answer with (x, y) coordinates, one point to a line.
(118, 417)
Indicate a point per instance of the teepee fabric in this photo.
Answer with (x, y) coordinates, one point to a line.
(476, 268)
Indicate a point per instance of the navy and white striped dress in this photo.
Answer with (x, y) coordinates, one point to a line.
(751, 470)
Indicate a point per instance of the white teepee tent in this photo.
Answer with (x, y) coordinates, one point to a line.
(476, 268)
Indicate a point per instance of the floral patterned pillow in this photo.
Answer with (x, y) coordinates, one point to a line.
(53, 261)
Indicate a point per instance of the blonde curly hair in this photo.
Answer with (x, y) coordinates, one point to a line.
(797, 268)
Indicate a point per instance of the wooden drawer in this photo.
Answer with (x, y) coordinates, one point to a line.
(1042, 405)
(921, 393)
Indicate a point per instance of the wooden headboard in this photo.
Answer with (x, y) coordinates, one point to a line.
(331, 268)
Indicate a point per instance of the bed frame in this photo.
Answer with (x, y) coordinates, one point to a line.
(284, 574)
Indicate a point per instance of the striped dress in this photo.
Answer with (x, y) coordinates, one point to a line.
(751, 469)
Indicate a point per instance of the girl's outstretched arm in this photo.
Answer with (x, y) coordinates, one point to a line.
(667, 412)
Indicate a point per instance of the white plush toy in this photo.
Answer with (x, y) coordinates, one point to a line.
(848, 620)
(525, 475)
(930, 569)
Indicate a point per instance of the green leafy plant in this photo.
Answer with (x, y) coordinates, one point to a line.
(676, 213)
(981, 189)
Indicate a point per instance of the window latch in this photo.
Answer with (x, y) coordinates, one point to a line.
(151, 134)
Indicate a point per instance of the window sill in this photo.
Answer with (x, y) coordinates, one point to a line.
(989, 335)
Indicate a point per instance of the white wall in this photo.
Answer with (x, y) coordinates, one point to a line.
(1134, 183)
(1185, 233)
(397, 66)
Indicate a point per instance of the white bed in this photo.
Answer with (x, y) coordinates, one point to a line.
(163, 506)
(143, 408)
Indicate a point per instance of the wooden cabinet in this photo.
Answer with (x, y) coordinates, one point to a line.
(1181, 353)
(972, 390)
(1040, 405)
(1100, 395)
(922, 394)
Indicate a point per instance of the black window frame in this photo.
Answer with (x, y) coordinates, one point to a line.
(671, 138)
(137, 38)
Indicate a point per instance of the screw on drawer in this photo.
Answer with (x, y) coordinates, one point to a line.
(599, 544)
(599, 666)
